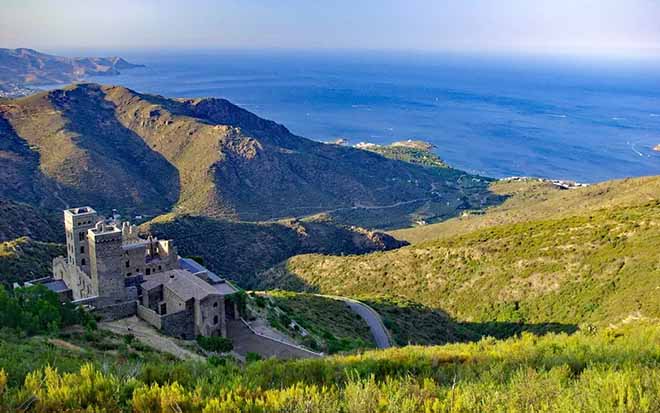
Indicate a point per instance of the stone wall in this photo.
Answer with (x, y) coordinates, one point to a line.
(180, 324)
(117, 311)
(149, 315)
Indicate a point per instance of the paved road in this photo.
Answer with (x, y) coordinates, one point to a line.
(371, 317)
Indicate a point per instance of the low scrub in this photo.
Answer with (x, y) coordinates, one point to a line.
(215, 344)
(596, 371)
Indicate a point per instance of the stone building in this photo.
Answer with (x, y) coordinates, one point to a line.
(112, 269)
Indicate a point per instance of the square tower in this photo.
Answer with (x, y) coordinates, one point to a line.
(77, 221)
(106, 257)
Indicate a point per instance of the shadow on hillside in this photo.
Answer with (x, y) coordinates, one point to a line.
(502, 329)
(414, 323)
(353, 186)
(123, 171)
(242, 250)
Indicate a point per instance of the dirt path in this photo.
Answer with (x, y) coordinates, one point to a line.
(149, 336)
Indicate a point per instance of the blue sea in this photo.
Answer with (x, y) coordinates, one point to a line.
(567, 118)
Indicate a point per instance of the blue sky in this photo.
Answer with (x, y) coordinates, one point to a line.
(557, 26)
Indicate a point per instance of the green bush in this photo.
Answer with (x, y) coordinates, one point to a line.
(215, 344)
(251, 357)
(36, 309)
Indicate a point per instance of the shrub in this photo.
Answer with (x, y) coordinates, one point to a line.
(251, 357)
(260, 301)
(215, 344)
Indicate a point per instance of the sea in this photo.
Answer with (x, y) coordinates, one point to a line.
(585, 119)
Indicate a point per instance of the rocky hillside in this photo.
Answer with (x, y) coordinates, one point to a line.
(591, 265)
(21, 68)
(114, 148)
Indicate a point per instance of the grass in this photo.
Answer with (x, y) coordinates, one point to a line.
(71, 349)
(596, 268)
(333, 326)
(598, 371)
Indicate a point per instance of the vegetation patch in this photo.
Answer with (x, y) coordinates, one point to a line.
(605, 370)
(320, 323)
(215, 344)
(595, 268)
(25, 259)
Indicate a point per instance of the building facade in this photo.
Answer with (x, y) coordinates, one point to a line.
(112, 269)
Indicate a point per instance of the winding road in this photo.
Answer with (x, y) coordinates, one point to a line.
(371, 317)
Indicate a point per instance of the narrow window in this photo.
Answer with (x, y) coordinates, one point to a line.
(82, 249)
(82, 262)
(215, 320)
(148, 271)
(159, 268)
(215, 305)
(81, 236)
(128, 263)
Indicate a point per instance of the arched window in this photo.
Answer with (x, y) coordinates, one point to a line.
(82, 262)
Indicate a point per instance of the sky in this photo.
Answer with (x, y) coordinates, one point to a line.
(605, 27)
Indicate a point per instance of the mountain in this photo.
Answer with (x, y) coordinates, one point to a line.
(592, 260)
(20, 68)
(112, 147)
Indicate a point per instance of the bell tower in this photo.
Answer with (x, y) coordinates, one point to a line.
(106, 252)
(76, 223)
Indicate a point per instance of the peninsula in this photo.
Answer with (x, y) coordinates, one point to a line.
(22, 70)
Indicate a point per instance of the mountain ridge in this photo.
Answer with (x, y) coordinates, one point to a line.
(206, 157)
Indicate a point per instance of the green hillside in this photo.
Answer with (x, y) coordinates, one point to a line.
(530, 200)
(603, 371)
(24, 259)
(329, 324)
(598, 267)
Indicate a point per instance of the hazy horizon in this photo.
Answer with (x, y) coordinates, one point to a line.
(588, 27)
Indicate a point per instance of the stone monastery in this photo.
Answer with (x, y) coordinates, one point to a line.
(111, 269)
